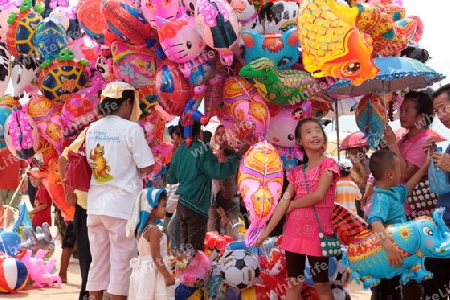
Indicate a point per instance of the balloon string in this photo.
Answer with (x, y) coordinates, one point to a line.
(243, 88)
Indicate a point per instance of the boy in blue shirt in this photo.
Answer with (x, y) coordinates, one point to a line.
(388, 208)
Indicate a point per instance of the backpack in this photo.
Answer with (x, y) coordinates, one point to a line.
(21, 134)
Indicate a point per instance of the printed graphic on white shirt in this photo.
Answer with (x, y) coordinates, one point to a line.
(101, 168)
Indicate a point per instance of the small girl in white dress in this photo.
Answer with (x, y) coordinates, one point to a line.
(150, 278)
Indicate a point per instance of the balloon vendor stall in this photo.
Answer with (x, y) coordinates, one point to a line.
(257, 66)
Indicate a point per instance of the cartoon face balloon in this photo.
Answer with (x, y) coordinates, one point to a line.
(280, 47)
(166, 9)
(179, 39)
(173, 88)
(93, 22)
(126, 21)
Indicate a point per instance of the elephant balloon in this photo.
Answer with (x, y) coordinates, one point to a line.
(415, 240)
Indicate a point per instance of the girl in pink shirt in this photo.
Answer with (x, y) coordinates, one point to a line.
(301, 233)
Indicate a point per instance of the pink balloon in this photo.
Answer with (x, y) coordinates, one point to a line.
(166, 9)
(85, 48)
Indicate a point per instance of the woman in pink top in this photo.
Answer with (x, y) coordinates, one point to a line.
(416, 115)
(301, 233)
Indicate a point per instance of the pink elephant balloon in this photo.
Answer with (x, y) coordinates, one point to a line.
(219, 27)
(47, 116)
(166, 9)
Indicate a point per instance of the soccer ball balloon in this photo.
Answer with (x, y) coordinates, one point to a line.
(239, 268)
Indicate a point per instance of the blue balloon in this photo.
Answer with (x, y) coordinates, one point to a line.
(183, 291)
(332, 268)
(9, 242)
(238, 245)
(49, 39)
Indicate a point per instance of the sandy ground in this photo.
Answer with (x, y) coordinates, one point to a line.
(70, 290)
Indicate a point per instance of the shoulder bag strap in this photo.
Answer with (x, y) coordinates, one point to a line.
(307, 189)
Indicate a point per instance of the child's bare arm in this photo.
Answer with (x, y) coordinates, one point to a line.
(38, 208)
(394, 257)
(153, 235)
(312, 198)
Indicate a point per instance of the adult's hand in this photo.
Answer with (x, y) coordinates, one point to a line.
(442, 161)
(389, 136)
(244, 148)
(430, 144)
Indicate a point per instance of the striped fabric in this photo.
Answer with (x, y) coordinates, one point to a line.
(346, 193)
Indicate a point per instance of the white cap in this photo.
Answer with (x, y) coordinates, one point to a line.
(345, 165)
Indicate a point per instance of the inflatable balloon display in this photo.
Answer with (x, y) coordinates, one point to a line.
(93, 22)
(136, 65)
(286, 87)
(61, 16)
(85, 48)
(40, 271)
(153, 125)
(47, 117)
(21, 29)
(193, 269)
(173, 89)
(6, 9)
(260, 180)
(347, 224)
(56, 190)
(21, 134)
(247, 108)
(23, 75)
(415, 240)
(49, 39)
(370, 116)
(63, 76)
(7, 103)
(9, 242)
(332, 47)
(5, 74)
(126, 21)
(219, 27)
(239, 268)
(166, 9)
(280, 47)
(13, 274)
(420, 27)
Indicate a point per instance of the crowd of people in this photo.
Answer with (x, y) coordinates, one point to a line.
(125, 234)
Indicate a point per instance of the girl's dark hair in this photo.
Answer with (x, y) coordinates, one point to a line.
(220, 126)
(110, 105)
(423, 104)
(162, 196)
(299, 136)
(177, 130)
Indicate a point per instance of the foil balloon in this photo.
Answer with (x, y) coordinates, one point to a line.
(77, 112)
(246, 106)
(104, 64)
(283, 121)
(5, 71)
(280, 47)
(21, 29)
(279, 16)
(191, 115)
(414, 240)
(63, 76)
(136, 65)
(85, 48)
(24, 70)
(40, 271)
(97, 83)
(370, 116)
(346, 224)
(61, 16)
(126, 21)
(47, 117)
(260, 181)
(166, 9)
(49, 39)
(153, 126)
(173, 89)
(93, 22)
(332, 47)
(179, 38)
(420, 27)
(13, 274)
(148, 99)
(7, 103)
(193, 269)
(56, 190)
(219, 27)
(290, 157)
(256, 292)
(282, 87)
(6, 9)
(246, 14)
(44, 155)
(21, 134)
